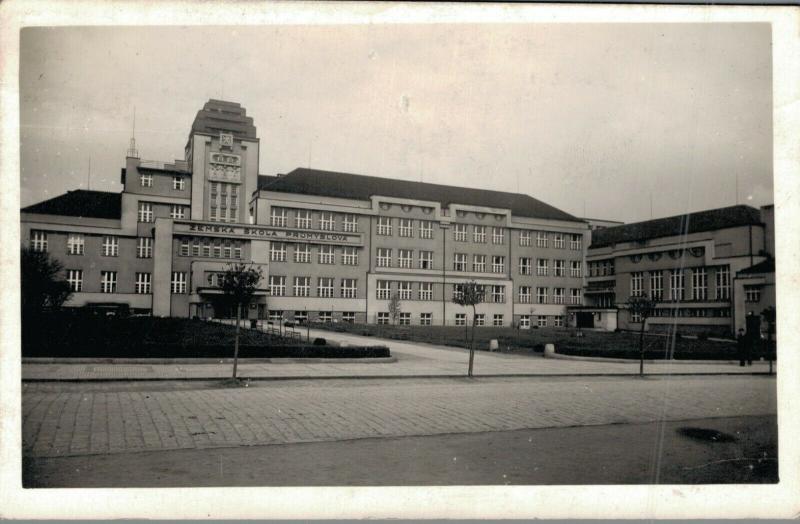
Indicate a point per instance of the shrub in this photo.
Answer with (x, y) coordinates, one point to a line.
(319, 341)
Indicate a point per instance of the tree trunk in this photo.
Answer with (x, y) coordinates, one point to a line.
(472, 344)
(641, 348)
(236, 342)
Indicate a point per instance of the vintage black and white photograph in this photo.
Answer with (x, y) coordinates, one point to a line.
(402, 254)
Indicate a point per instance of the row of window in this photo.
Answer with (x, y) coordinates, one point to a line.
(176, 211)
(301, 317)
(686, 313)
(207, 248)
(302, 254)
(223, 202)
(303, 220)
(143, 283)
(601, 268)
(325, 287)
(76, 244)
(178, 181)
(699, 283)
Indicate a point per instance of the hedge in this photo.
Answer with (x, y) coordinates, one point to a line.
(203, 351)
(633, 354)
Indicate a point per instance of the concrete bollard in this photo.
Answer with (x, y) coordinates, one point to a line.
(493, 345)
(549, 350)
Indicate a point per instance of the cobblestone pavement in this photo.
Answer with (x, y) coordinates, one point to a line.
(413, 359)
(63, 419)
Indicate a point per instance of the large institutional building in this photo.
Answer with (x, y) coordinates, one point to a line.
(332, 246)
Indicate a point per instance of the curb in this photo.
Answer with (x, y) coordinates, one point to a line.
(399, 377)
(200, 361)
(636, 361)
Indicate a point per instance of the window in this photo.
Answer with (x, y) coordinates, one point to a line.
(206, 248)
(349, 256)
(541, 295)
(525, 322)
(637, 280)
(326, 222)
(541, 239)
(350, 223)
(558, 240)
(384, 289)
(145, 212)
(541, 266)
(525, 294)
(525, 241)
(426, 290)
(326, 255)
(325, 316)
(558, 321)
(275, 315)
(146, 180)
(575, 268)
(184, 249)
(177, 211)
(425, 229)
(656, 285)
(497, 320)
(480, 320)
(676, 284)
(405, 319)
(636, 317)
(384, 226)
(405, 258)
(479, 234)
(302, 286)
(302, 219)
(461, 319)
(498, 235)
(559, 268)
(426, 259)
(699, 284)
(558, 295)
(144, 247)
(479, 263)
(498, 264)
(460, 232)
(143, 283)
(178, 183)
(75, 244)
(384, 257)
(301, 317)
(575, 296)
(302, 253)
(108, 281)
(217, 251)
(723, 290)
(459, 262)
(404, 288)
(277, 217)
(212, 215)
(277, 252)
(349, 317)
(178, 282)
(752, 294)
(237, 251)
(75, 279)
(575, 242)
(349, 288)
(325, 287)
(406, 228)
(425, 319)
(383, 317)
(277, 286)
(498, 294)
(524, 266)
(110, 246)
(541, 320)
(39, 240)
(457, 291)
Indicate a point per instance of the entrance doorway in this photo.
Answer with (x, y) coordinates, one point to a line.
(584, 319)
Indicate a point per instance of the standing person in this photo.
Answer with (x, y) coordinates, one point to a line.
(753, 324)
(741, 346)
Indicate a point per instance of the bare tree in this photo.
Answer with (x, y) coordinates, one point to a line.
(643, 306)
(470, 294)
(239, 283)
(395, 307)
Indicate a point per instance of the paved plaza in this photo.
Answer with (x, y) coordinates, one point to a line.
(63, 419)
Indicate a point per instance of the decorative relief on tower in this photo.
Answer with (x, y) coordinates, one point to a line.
(224, 167)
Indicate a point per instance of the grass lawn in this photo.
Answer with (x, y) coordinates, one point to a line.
(592, 343)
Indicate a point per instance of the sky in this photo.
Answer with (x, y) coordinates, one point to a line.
(610, 121)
